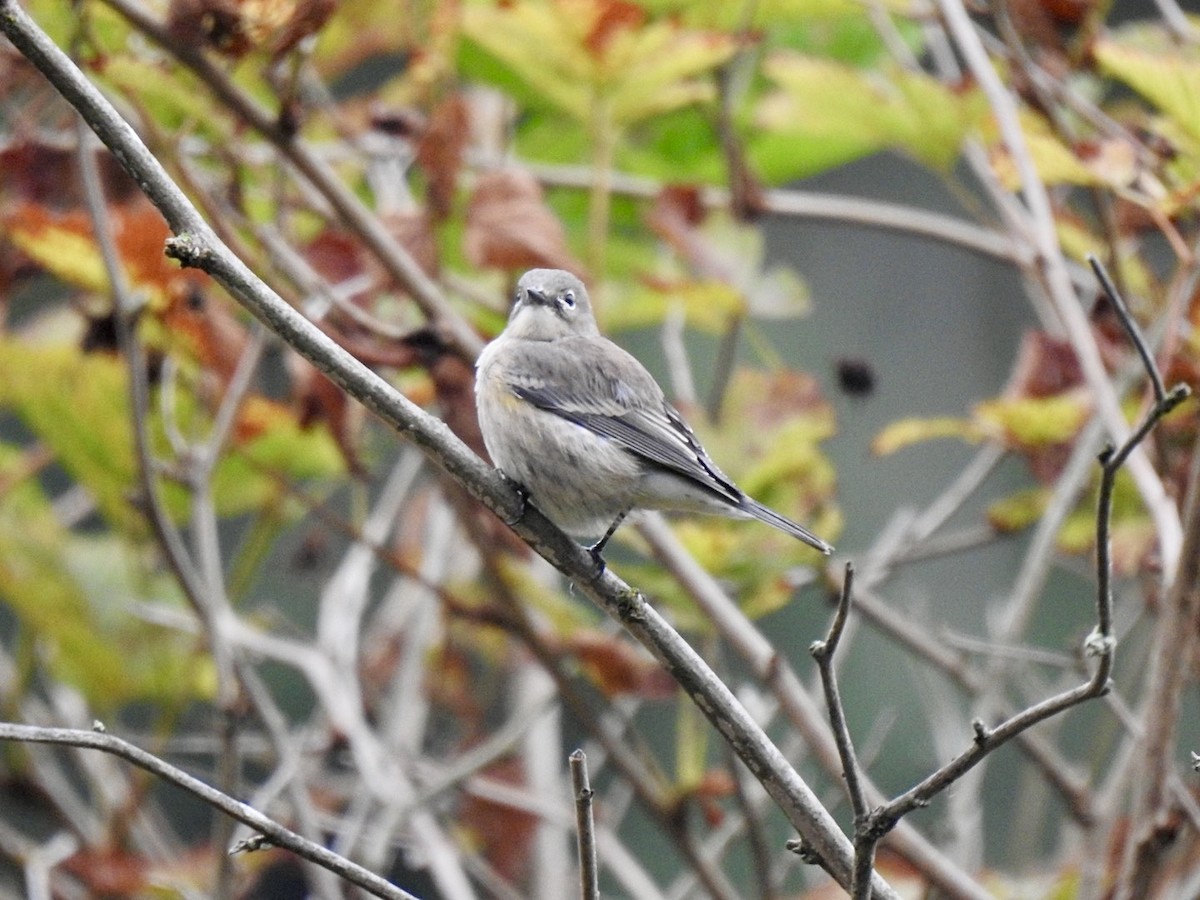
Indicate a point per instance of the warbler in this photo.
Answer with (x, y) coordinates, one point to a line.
(585, 431)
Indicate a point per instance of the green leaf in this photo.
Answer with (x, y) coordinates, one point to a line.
(168, 93)
(77, 405)
(36, 585)
(708, 306)
(764, 13)
(593, 58)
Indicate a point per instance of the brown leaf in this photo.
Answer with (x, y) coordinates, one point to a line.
(715, 785)
(109, 871)
(48, 176)
(1045, 366)
(336, 255)
(676, 216)
(236, 27)
(414, 233)
(505, 833)
(440, 151)
(317, 399)
(619, 667)
(777, 397)
(509, 225)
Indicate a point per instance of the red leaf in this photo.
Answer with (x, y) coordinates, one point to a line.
(613, 17)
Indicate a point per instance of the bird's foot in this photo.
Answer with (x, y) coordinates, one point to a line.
(597, 548)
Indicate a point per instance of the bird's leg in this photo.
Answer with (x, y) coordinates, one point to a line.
(597, 548)
(522, 495)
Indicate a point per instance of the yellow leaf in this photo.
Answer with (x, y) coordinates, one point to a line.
(1054, 161)
(1167, 76)
(61, 249)
(707, 305)
(1019, 510)
(576, 54)
(1031, 422)
(864, 111)
(77, 405)
(906, 432)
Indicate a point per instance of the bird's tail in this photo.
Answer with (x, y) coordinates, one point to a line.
(784, 524)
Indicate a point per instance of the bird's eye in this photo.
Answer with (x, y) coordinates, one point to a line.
(568, 299)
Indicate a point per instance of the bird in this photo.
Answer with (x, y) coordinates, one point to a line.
(584, 431)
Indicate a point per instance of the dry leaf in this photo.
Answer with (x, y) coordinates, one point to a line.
(440, 151)
(509, 225)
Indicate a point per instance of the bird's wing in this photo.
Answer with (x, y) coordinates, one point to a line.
(621, 403)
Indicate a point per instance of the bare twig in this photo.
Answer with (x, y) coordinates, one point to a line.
(589, 884)
(1130, 326)
(823, 652)
(276, 833)
(826, 207)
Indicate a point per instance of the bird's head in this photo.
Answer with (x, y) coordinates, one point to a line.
(550, 304)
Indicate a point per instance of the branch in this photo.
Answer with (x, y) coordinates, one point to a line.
(197, 245)
(275, 833)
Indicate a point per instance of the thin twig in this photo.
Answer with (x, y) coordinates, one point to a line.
(823, 652)
(273, 831)
(819, 206)
(589, 882)
(1130, 326)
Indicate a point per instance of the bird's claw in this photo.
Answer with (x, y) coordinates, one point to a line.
(522, 496)
(594, 551)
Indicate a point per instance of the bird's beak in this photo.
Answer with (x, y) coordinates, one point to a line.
(536, 297)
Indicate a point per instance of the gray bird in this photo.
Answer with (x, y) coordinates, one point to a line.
(585, 431)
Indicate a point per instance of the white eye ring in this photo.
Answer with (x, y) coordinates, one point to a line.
(568, 299)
